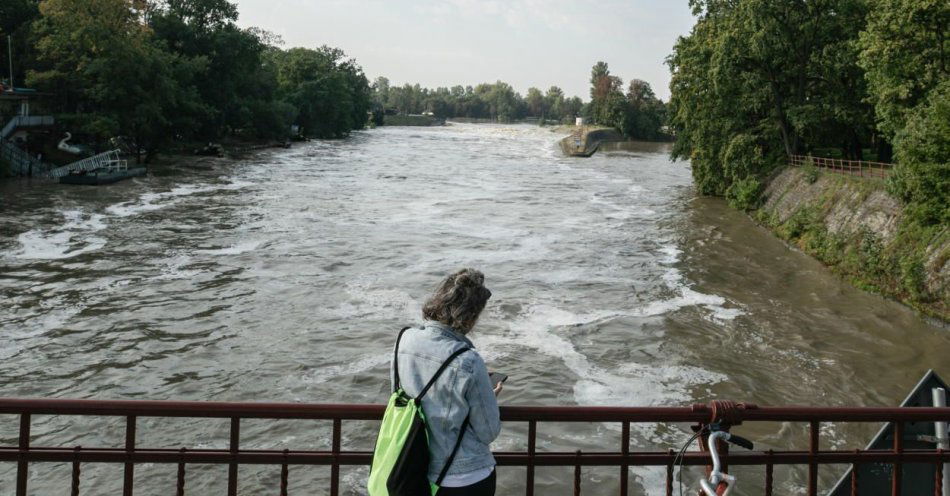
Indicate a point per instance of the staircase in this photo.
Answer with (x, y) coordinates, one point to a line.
(25, 121)
(109, 160)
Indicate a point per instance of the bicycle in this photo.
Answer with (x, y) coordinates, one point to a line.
(717, 483)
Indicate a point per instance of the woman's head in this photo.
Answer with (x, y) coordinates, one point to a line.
(458, 300)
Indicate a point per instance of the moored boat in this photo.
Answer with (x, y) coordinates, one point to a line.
(105, 175)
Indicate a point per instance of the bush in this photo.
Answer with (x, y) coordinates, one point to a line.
(873, 260)
(810, 170)
(913, 277)
(745, 194)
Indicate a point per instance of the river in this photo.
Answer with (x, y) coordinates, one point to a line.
(285, 276)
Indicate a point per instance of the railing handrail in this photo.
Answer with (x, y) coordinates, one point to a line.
(725, 413)
(318, 411)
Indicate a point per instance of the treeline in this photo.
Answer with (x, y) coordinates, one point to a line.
(638, 113)
(154, 72)
(494, 101)
(757, 80)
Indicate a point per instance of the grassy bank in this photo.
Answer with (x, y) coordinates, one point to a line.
(852, 225)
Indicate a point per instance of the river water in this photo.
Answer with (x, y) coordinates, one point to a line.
(285, 276)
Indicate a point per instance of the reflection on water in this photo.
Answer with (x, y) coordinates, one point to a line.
(285, 276)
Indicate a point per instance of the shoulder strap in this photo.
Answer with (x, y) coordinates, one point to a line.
(396, 360)
(439, 372)
(458, 444)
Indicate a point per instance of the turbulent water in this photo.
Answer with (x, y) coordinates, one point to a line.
(284, 277)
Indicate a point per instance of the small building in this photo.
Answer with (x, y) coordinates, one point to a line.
(578, 121)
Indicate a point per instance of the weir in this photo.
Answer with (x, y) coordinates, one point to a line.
(723, 414)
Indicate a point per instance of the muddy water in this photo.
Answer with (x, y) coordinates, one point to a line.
(283, 277)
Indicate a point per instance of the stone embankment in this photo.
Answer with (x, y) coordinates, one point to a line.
(854, 226)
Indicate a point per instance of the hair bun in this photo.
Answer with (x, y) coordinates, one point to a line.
(469, 278)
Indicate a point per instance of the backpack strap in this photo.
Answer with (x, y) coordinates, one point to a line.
(442, 368)
(396, 360)
(458, 444)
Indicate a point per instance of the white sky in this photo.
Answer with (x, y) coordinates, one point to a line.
(522, 42)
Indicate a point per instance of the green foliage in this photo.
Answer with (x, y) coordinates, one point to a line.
(110, 73)
(905, 52)
(745, 193)
(329, 92)
(913, 276)
(781, 73)
(497, 101)
(184, 70)
(810, 171)
(922, 147)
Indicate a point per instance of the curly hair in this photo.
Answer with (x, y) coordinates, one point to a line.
(458, 300)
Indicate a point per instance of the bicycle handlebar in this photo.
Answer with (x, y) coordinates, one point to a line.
(740, 441)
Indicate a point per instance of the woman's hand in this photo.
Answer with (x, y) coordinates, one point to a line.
(498, 388)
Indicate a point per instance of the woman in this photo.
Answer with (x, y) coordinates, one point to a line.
(463, 391)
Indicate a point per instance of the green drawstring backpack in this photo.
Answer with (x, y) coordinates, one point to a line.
(401, 457)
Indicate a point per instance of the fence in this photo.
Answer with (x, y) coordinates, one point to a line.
(724, 412)
(852, 167)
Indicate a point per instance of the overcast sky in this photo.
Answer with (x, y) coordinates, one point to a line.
(523, 42)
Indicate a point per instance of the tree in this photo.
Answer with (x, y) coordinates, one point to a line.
(905, 52)
(231, 86)
(535, 101)
(329, 92)
(110, 76)
(768, 77)
(554, 101)
(644, 113)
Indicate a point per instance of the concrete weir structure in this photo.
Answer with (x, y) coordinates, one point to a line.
(585, 140)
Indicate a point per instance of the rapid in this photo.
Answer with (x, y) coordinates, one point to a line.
(285, 276)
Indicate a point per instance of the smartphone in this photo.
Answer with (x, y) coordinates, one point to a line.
(496, 377)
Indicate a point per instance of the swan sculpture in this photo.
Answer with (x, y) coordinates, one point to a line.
(75, 150)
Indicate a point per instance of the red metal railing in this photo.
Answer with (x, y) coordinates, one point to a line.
(723, 412)
(859, 168)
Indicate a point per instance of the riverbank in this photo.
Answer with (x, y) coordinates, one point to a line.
(854, 227)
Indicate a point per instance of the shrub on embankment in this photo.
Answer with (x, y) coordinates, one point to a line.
(863, 233)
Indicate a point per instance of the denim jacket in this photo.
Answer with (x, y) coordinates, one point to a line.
(462, 389)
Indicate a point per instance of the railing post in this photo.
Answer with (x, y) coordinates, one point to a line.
(129, 476)
(669, 472)
(529, 482)
(577, 474)
(335, 468)
(180, 487)
(22, 468)
(812, 462)
(74, 490)
(898, 466)
(233, 466)
(283, 475)
(625, 450)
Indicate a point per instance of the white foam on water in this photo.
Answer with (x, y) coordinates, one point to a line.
(685, 295)
(173, 268)
(597, 385)
(68, 240)
(155, 201)
(234, 249)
